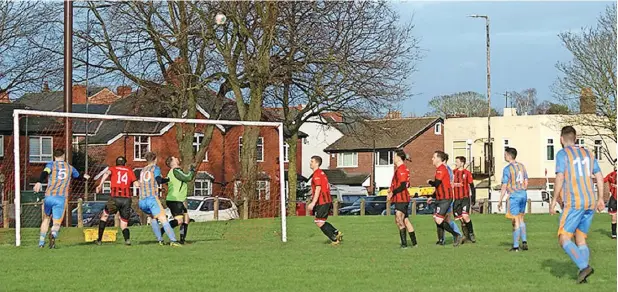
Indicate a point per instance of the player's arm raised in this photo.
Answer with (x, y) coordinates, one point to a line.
(103, 179)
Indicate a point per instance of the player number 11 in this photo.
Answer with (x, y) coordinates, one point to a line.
(578, 162)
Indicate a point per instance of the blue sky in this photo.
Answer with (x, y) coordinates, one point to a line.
(524, 46)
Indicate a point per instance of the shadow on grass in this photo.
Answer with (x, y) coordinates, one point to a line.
(560, 268)
(604, 232)
(506, 244)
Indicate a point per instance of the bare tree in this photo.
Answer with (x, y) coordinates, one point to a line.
(524, 101)
(24, 65)
(592, 71)
(352, 58)
(469, 103)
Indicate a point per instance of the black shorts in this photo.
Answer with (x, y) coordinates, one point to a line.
(119, 204)
(461, 207)
(403, 208)
(441, 208)
(611, 205)
(177, 208)
(321, 211)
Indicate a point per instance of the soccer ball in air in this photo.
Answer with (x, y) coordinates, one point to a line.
(220, 18)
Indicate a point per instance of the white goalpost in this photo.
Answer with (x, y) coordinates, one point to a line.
(22, 154)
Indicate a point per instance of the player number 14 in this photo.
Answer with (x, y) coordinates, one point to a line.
(578, 162)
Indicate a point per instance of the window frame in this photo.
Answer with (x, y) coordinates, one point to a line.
(197, 142)
(208, 188)
(106, 187)
(75, 143)
(506, 143)
(265, 188)
(286, 152)
(140, 144)
(598, 149)
(260, 154)
(41, 155)
(580, 142)
(1, 146)
(390, 158)
(437, 129)
(340, 159)
(549, 144)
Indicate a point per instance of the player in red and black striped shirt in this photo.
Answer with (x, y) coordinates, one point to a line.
(611, 205)
(444, 196)
(463, 185)
(398, 194)
(321, 201)
(122, 178)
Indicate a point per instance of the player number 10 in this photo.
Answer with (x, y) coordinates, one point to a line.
(578, 162)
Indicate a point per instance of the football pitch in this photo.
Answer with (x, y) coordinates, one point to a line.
(248, 256)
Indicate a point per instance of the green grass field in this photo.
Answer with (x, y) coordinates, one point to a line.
(248, 256)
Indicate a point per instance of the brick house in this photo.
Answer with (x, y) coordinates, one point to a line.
(367, 150)
(218, 174)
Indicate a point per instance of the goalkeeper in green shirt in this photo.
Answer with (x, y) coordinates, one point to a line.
(177, 195)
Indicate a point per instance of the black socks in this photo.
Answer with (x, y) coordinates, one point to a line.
(613, 229)
(448, 228)
(184, 228)
(126, 234)
(470, 228)
(102, 225)
(440, 231)
(403, 236)
(329, 231)
(173, 223)
(413, 238)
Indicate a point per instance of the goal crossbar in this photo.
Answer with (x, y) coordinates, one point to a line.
(16, 150)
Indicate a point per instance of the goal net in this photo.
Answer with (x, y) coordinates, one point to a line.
(218, 190)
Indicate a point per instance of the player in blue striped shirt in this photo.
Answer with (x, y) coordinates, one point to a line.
(149, 181)
(515, 183)
(574, 188)
(58, 176)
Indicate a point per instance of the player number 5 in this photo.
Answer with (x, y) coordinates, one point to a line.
(62, 174)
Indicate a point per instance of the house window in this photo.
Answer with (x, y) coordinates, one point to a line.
(260, 149)
(203, 187)
(75, 144)
(1, 146)
(107, 187)
(460, 148)
(197, 143)
(41, 149)
(347, 159)
(598, 149)
(286, 152)
(384, 157)
(550, 149)
(141, 146)
(262, 188)
(506, 143)
(437, 129)
(579, 142)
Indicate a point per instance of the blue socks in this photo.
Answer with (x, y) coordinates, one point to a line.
(576, 256)
(516, 234)
(54, 234)
(42, 238)
(169, 231)
(156, 229)
(585, 253)
(522, 228)
(454, 226)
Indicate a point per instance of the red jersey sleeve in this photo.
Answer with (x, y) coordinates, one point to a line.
(401, 177)
(131, 176)
(317, 180)
(441, 174)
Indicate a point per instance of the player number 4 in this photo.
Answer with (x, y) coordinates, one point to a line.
(519, 178)
(122, 178)
(585, 170)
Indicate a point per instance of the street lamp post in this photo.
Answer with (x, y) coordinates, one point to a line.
(489, 142)
(88, 28)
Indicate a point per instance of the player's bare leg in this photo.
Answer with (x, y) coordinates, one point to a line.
(44, 229)
(613, 226)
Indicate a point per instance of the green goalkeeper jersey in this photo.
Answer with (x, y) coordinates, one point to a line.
(177, 186)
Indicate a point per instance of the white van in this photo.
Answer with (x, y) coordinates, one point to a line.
(347, 195)
(540, 200)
